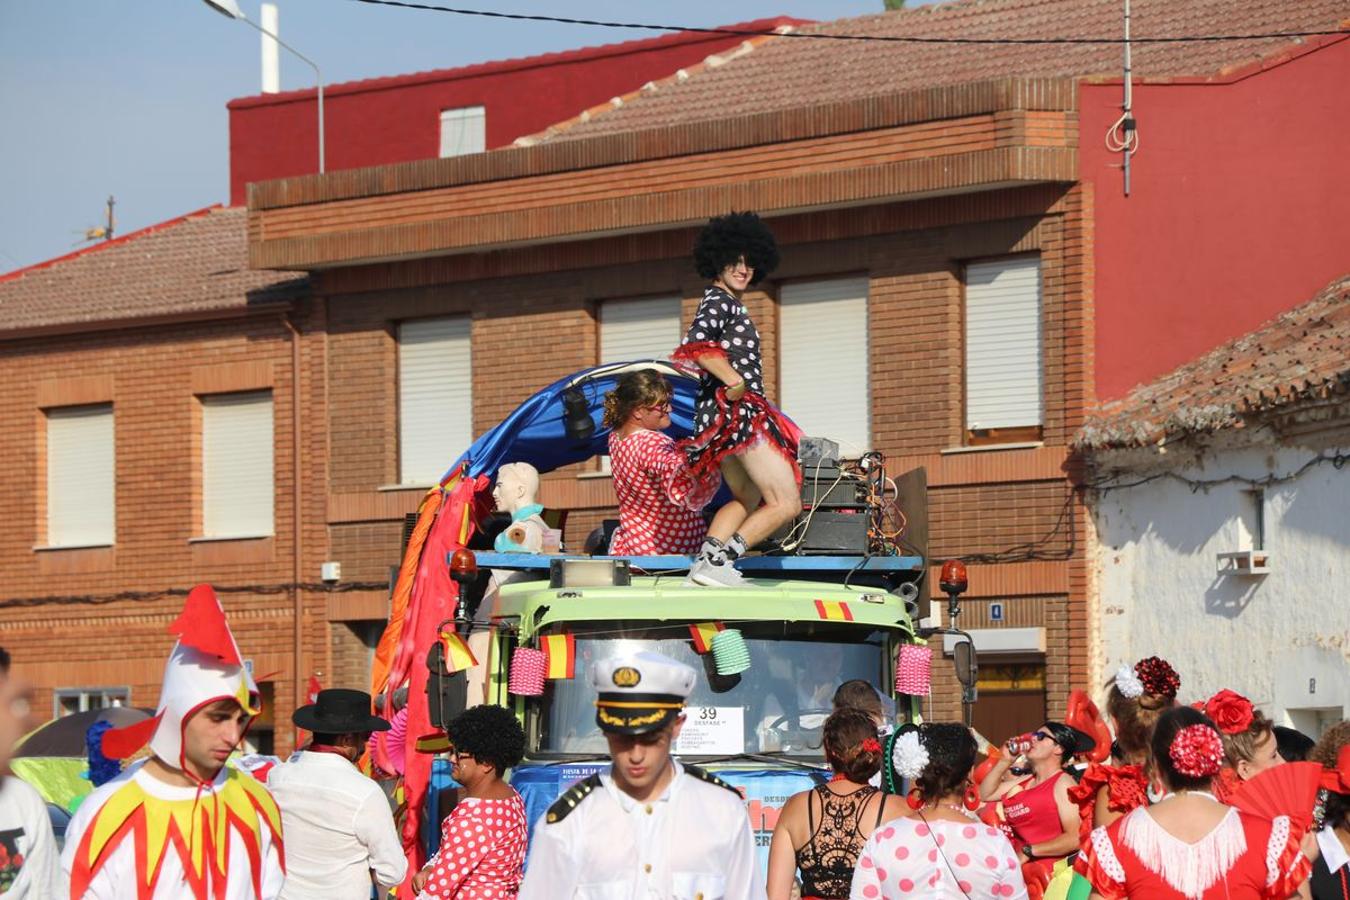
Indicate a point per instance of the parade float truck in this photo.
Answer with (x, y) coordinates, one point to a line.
(838, 596)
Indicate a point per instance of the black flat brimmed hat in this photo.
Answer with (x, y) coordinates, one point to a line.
(641, 692)
(339, 711)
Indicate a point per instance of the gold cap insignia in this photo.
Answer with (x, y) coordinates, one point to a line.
(626, 677)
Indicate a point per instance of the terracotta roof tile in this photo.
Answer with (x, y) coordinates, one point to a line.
(1301, 355)
(791, 71)
(195, 263)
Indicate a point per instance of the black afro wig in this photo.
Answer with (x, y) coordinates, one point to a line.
(726, 238)
(489, 734)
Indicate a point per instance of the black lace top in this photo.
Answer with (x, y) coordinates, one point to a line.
(827, 859)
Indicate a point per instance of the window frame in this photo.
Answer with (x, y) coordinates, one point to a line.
(1017, 434)
(84, 693)
(49, 540)
(203, 402)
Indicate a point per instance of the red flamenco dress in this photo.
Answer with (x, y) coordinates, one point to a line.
(1244, 857)
(1126, 790)
(723, 427)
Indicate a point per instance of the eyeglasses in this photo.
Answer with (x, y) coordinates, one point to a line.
(1042, 736)
(659, 407)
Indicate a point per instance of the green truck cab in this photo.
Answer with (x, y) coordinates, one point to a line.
(808, 624)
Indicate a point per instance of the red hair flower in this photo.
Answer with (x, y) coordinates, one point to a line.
(1197, 751)
(1229, 710)
(871, 745)
(1158, 677)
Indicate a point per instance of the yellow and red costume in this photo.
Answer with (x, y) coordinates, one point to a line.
(143, 838)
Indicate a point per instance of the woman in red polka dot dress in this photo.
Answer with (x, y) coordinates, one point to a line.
(941, 851)
(482, 852)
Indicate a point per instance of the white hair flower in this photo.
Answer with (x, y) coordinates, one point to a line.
(1128, 683)
(909, 756)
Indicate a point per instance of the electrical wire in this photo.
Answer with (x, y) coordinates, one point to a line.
(867, 38)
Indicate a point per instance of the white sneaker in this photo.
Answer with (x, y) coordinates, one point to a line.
(711, 574)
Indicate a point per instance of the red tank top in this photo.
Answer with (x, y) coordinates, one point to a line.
(1032, 813)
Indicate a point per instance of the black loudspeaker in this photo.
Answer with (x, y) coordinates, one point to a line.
(834, 533)
(447, 693)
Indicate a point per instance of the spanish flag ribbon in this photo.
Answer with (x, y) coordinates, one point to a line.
(561, 653)
(458, 656)
(834, 610)
(703, 634)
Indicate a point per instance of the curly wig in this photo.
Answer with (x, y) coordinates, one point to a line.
(489, 734)
(726, 238)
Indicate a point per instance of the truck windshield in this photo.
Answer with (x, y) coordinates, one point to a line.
(777, 705)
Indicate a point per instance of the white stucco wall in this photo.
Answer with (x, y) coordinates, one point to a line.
(1282, 639)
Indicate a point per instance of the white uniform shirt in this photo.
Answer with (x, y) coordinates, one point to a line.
(116, 878)
(338, 828)
(26, 833)
(693, 843)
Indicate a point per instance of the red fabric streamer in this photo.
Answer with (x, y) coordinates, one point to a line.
(433, 601)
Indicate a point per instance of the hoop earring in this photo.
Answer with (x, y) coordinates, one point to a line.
(972, 798)
(914, 798)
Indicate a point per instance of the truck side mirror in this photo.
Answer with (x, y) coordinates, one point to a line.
(967, 669)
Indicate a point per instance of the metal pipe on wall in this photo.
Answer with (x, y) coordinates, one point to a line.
(297, 528)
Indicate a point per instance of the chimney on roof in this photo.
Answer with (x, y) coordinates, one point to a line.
(271, 53)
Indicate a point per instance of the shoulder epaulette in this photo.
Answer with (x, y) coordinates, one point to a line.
(572, 798)
(710, 778)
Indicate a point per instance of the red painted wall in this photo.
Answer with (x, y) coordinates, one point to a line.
(1238, 208)
(389, 120)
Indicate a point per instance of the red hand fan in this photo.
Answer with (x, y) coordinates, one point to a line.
(1287, 790)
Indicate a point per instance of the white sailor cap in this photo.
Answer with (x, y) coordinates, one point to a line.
(640, 692)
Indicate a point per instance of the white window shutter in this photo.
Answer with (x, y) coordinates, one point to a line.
(81, 477)
(639, 329)
(1003, 344)
(435, 396)
(463, 130)
(237, 473)
(823, 360)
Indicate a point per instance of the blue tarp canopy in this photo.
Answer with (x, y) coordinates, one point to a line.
(535, 433)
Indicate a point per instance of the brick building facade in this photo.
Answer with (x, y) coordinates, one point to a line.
(1003, 156)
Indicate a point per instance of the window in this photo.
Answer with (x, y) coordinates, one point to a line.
(80, 476)
(1003, 350)
(463, 130)
(66, 701)
(435, 399)
(237, 474)
(639, 329)
(823, 363)
(1252, 520)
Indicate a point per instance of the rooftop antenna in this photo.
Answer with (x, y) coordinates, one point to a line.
(1123, 137)
(105, 233)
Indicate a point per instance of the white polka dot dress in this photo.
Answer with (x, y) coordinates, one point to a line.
(482, 855)
(937, 859)
(723, 327)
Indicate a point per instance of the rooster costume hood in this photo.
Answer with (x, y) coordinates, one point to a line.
(204, 667)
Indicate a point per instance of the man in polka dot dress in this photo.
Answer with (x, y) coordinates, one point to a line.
(648, 827)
